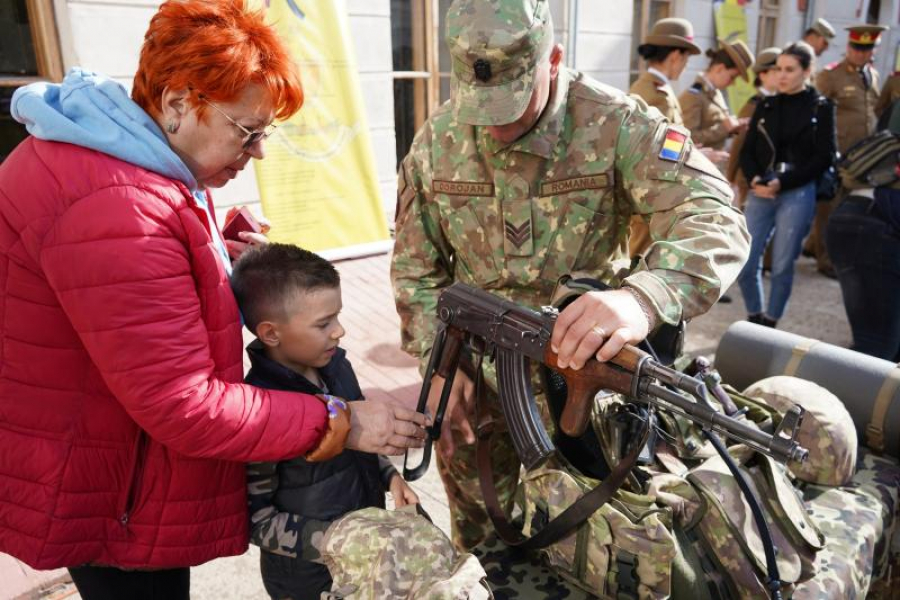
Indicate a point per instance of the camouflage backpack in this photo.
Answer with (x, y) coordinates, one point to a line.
(682, 528)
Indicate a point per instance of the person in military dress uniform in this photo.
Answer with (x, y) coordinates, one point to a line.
(766, 85)
(890, 93)
(706, 114)
(530, 172)
(666, 50)
(852, 84)
(819, 36)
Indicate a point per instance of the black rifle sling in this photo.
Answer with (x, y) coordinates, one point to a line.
(576, 514)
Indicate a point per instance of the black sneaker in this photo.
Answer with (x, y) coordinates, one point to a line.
(755, 318)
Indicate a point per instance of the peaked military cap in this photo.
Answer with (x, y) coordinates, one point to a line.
(864, 35)
(823, 28)
(676, 33)
(766, 59)
(740, 55)
(495, 46)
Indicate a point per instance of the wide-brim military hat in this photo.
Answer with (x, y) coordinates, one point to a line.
(740, 55)
(495, 47)
(675, 33)
(864, 35)
(823, 28)
(766, 59)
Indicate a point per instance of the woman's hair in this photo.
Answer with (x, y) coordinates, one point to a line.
(720, 57)
(656, 54)
(803, 52)
(214, 49)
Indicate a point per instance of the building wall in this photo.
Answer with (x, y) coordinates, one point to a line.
(105, 35)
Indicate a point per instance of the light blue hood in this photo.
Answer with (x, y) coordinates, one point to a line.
(90, 110)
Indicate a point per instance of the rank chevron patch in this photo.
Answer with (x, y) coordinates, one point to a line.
(517, 235)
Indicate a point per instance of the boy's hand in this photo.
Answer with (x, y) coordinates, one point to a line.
(385, 428)
(401, 491)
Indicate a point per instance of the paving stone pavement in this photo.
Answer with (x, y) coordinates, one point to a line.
(385, 373)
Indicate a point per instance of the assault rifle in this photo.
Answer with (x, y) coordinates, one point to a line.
(514, 335)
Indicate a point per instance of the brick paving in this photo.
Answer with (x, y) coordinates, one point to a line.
(386, 373)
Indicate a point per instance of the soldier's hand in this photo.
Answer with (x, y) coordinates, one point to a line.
(598, 324)
(459, 414)
(385, 428)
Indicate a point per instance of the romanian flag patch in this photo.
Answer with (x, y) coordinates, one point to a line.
(673, 146)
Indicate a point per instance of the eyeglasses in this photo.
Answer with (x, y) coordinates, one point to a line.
(250, 137)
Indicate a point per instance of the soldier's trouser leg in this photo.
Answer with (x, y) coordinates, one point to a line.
(823, 212)
(469, 521)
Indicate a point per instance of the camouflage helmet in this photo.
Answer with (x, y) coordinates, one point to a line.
(827, 430)
(495, 46)
(375, 553)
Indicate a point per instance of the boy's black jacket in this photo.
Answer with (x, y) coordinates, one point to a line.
(323, 490)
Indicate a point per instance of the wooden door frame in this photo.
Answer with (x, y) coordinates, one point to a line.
(45, 39)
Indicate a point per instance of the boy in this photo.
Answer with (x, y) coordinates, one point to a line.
(290, 299)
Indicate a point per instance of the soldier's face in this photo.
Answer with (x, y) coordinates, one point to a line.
(544, 76)
(721, 76)
(858, 58)
(818, 42)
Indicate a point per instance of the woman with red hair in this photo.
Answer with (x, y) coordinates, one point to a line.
(123, 420)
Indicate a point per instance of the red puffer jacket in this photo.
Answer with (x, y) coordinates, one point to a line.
(122, 415)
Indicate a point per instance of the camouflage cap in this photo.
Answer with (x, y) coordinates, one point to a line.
(495, 46)
(827, 429)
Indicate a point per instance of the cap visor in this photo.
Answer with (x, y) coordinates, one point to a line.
(491, 105)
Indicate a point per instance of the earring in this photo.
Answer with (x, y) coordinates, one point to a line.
(172, 127)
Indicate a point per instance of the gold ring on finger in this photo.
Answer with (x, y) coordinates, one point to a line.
(599, 331)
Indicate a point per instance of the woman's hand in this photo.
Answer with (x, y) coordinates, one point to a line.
(401, 491)
(248, 240)
(385, 428)
(769, 190)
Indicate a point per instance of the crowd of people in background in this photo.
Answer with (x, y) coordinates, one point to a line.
(780, 152)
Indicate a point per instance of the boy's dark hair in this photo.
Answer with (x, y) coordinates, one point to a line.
(265, 278)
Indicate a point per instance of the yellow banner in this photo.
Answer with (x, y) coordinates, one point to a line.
(318, 183)
(731, 25)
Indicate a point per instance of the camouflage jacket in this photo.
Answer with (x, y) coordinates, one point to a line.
(514, 219)
(292, 502)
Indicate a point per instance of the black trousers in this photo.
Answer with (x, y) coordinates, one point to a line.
(109, 583)
(292, 578)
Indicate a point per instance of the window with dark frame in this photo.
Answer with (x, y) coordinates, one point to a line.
(768, 24)
(29, 52)
(646, 13)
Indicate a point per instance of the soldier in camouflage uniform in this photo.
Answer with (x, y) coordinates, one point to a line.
(533, 171)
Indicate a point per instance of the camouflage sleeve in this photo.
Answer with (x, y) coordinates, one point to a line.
(277, 532)
(421, 263)
(700, 241)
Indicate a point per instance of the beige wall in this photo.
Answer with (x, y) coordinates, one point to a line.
(105, 35)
